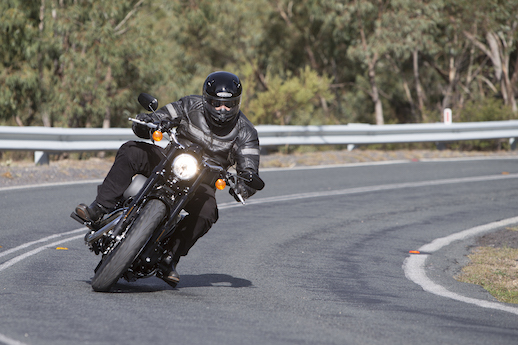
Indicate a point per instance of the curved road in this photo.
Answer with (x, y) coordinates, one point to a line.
(321, 256)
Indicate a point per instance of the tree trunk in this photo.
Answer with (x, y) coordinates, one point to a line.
(492, 40)
(500, 58)
(378, 107)
(371, 62)
(446, 102)
(507, 86)
(410, 100)
(107, 118)
(418, 86)
(45, 117)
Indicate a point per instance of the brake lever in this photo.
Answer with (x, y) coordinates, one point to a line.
(232, 184)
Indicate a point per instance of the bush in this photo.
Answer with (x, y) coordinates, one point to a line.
(488, 109)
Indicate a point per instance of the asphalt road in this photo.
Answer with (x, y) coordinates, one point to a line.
(318, 257)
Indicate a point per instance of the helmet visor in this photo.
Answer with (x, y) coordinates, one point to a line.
(229, 103)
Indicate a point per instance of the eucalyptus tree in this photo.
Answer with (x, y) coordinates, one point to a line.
(381, 37)
(22, 57)
(469, 61)
(198, 37)
(251, 39)
(72, 62)
(293, 61)
(102, 64)
(494, 30)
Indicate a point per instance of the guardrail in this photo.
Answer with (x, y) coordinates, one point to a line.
(358, 134)
(45, 140)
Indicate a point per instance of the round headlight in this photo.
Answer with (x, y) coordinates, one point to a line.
(185, 166)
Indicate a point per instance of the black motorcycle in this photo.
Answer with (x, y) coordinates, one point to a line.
(132, 239)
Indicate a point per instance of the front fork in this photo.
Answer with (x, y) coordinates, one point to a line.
(154, 250)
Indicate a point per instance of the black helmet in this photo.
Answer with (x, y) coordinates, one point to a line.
(222, 89)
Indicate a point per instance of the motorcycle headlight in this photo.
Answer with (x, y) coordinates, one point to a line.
(185, 166)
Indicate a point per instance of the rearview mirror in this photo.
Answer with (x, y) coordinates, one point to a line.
(148, 102)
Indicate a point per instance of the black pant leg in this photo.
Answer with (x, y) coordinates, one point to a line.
(203, 213)
(133, 157)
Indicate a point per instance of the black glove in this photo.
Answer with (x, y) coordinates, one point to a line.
(243, 189)
(168, 124)
(142, 131)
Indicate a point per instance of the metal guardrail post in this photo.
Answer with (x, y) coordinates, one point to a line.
(41, 158)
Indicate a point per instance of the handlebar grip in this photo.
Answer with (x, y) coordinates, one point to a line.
(147, 124)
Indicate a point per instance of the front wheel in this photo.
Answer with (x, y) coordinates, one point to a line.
(118, 261)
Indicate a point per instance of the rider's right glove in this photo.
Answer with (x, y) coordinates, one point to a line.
(142, 131)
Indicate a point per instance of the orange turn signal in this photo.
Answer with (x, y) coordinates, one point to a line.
(220, 184)
(157, 135)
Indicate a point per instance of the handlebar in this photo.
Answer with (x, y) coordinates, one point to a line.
(229, 177)
(160, 127)
(147, 124)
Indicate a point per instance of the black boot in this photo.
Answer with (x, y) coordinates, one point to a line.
(92, 213)
(169, 273)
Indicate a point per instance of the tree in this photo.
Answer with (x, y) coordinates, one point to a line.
(102, 61)
(74, 63)
(291, 100)
(494, 32)
(22, 58)
(82, 63)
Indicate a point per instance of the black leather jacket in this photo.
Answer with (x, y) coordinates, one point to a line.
(239, 145)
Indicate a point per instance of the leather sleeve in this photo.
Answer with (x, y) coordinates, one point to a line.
(170, 111)
(247, 151)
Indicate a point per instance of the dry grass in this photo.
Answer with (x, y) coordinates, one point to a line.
(496, 270)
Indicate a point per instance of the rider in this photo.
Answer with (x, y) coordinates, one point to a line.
(212, 121)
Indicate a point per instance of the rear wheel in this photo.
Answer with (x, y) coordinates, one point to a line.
(118, 261)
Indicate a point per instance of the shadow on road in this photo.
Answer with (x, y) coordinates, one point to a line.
(154, 284)
(216, 280)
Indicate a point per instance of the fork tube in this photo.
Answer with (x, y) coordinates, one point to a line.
(182, 201)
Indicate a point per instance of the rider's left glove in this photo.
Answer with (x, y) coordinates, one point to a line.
(243, 190)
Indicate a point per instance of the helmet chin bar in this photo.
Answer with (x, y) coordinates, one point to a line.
(223, 115)
(221, 118)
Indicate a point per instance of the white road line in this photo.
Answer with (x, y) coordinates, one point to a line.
(332, 166)
(4, 339)
(368, 189)
(45, 185)
(21, 257)
(9, 341)
(414, 266)
(45, 239)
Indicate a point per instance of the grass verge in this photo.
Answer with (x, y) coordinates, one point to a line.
(495, 269)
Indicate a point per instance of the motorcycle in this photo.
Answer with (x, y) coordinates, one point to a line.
(132, 238)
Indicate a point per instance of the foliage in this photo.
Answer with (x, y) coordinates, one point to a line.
(488, 109)
(82, 63)
(291, 100)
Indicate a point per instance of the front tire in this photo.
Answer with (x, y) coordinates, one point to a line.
(118, 261)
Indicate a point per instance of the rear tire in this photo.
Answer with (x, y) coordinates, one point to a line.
(118, 261)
